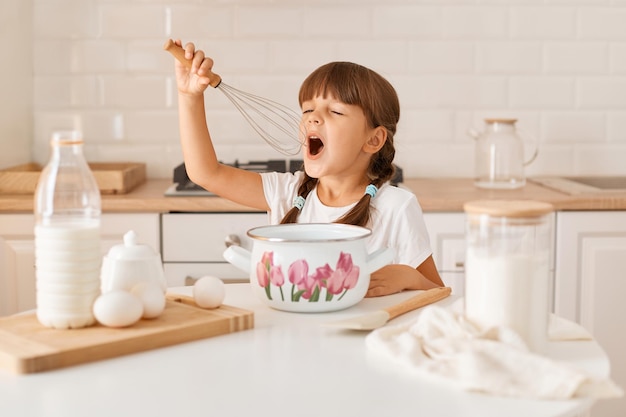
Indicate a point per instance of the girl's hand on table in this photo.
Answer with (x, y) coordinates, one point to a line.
(392, 279)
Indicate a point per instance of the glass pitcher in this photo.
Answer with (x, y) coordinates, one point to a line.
(499, 155)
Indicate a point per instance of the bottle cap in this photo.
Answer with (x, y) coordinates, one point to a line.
(67, 137)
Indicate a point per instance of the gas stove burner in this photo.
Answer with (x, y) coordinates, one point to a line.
(183, 186)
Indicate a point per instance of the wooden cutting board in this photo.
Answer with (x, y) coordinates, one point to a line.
(27, 347)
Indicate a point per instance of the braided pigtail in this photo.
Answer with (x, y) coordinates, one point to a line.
(380, 170)
(305, 188)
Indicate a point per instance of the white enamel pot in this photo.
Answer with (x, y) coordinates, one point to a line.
(309, 267)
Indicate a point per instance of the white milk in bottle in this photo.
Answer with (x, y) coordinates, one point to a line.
(507, 274)
(67, 236)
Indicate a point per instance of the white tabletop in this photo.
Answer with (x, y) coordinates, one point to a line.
(288, 365)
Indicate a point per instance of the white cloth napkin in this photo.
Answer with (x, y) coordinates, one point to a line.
(494, 361)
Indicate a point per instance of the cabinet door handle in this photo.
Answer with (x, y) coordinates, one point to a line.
(191, 281)
(232, 240)
(459, 264)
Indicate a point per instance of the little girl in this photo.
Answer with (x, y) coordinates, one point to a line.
(349, 117)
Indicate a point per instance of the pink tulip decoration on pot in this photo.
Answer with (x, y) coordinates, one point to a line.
(309, 267)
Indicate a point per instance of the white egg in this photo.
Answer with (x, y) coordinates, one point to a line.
(117, 308)
(152, 298)
(208, 292)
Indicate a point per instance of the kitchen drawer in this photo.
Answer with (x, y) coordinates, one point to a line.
(180, 274)
(203, 237)
(447, 240)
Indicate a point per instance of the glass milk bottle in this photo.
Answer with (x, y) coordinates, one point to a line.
(67, 236)
(507, 272)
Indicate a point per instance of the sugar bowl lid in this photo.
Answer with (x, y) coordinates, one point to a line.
(130, 249)
(509, 208)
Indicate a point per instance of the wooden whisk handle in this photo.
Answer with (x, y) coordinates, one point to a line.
(420, 300)
(179, 54)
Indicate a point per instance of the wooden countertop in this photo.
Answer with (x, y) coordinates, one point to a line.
(434, 195)
(449, 194)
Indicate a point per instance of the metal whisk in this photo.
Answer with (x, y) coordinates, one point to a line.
(277, 124)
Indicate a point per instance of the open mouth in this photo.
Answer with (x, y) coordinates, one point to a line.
(315, 145)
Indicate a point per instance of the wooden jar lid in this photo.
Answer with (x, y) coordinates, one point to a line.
(503, 121)
(508, 208)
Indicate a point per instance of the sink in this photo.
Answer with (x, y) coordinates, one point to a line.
(584, 184)
(603, 183)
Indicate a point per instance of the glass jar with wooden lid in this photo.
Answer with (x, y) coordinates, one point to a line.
(507, 266)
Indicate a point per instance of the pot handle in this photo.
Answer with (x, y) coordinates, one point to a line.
(379, 258)
(239, 257)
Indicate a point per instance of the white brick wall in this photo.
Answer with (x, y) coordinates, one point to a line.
(559, 66)
(16, 90)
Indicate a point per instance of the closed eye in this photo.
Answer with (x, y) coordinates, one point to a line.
(331, 111)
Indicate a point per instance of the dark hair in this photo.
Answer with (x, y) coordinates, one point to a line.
(356, 85)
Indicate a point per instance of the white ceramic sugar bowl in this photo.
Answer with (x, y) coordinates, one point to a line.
(130, 263)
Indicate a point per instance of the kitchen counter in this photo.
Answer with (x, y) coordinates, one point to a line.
(434, 194)
(287, 365)
(146, 198)
(449, 194)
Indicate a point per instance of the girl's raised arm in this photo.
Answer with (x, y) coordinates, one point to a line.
(201, 162)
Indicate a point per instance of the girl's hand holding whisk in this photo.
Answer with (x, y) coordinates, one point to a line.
(193, 80)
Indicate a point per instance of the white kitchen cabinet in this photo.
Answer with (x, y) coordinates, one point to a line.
(194, 243)
(447, 240)
(17, 251)
(590, 285)
(17, 263)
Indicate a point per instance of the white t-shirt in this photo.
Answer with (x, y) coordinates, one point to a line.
(396, 217)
